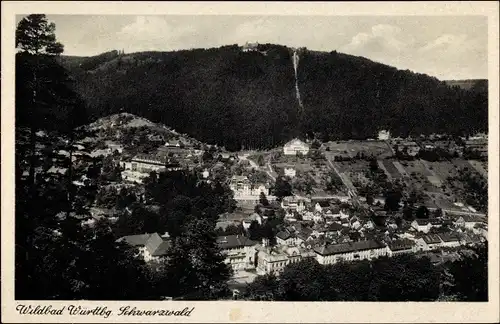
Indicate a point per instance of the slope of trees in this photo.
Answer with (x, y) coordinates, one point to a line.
(232, 98)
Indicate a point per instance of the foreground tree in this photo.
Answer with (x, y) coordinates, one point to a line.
(470, 275)
(36, 42)
(195, 267)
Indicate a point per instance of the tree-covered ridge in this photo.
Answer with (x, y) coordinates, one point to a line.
(477, 85)
(358, 97)
(235, 98)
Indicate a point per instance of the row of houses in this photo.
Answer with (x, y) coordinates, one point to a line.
(241, 253)
(465, 221)
(442, 240)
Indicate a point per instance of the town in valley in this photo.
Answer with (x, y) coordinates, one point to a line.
(123, 206)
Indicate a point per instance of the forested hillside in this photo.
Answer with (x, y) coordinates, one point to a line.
(235, 98)
(478, 85)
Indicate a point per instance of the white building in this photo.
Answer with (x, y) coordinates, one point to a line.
(290, 172)
(238, 250)
(351, 251)
(308, 216)
(320, 206)
(428, 243)
(468, 221)
(295, 146)
(288, 239)
(253, 217)
(294, 203)
(250, 47)
(344, 214)
(274, 260)
(134, 176)
(145, 164)
(384, 135)
(244, 190)
(318, 217)
(425, 225)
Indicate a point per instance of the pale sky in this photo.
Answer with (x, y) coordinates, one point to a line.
(447, 47)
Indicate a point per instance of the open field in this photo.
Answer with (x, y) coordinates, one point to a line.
(351, 148)
(352, 166)
(318, 170)
(462, 163)
(419, 176)
(444, 169)
(416, 167)
(353, 172)
(391, 169)
(444, 201)
(481, 167)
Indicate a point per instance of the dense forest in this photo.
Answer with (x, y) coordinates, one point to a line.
(235, 98)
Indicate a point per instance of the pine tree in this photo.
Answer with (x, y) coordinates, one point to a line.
(36, 40)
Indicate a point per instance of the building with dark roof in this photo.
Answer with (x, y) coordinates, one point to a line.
(135, 240)
(401, 246)
(151, 246)
(239, 251)
(156, 247)
(287, 238)
(449, 239)
(350, 251)
(429, 242)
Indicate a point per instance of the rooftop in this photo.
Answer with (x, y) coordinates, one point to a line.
(323, 203)
(135, 240)
(296, 141)
(399, 245)
(348, 247)
(284, 235)
(234, 241)
(447, 237)
(156, 245)
(431, 239)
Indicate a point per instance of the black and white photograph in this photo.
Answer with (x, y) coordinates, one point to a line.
(271, 158)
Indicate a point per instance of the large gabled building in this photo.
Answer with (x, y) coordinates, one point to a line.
(295, 146)
(151, 247)
(239, 251)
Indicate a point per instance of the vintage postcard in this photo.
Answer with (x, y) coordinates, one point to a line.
(250, 162)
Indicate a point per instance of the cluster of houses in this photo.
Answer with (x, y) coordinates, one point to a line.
(337, 235)
(478, 144)
(326, 230)
(412, 146)
(327, 242)
(167, 158)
